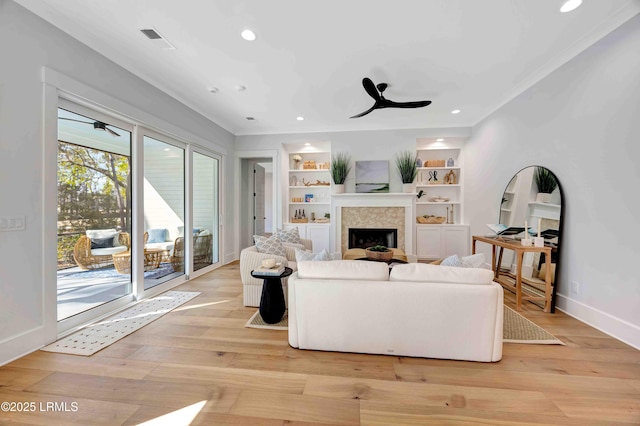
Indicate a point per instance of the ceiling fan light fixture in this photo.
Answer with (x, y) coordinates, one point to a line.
(248, 35)
(300, 118)
(569, 5)
(440, 140)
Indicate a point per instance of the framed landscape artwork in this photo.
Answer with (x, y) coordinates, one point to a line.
(372, 176)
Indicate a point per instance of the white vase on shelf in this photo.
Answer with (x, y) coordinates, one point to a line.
(407, 188)
(543, 197)
(338, 188)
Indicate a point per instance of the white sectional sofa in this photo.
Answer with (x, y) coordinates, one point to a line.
(417, 310)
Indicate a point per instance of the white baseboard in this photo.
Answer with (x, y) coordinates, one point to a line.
(230, 257)
(18, 346)
(607, 323)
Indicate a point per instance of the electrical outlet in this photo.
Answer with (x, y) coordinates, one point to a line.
(575, 287)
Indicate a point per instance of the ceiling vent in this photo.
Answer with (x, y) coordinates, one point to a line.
(157, 39)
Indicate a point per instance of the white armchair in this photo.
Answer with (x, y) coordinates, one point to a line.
(251, 259)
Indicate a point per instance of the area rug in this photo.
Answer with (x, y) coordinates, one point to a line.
(256, 321)
(98, 336)
(518, 329)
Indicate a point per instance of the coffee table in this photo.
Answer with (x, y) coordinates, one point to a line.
(272, 304)
(152, 258)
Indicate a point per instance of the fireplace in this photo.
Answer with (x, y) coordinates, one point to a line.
(368, 237)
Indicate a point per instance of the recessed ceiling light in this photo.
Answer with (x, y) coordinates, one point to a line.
(455, 111)
(213, 90)
(299, 118)
(569, 5)
(248, 35)
(167, 149)
(439, 140)
(307, 144)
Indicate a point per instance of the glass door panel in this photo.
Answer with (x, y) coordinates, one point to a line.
(164, 211)
(94, 212)
(205, 211)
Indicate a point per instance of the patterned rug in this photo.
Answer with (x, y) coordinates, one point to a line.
(256, 321)
(518, 329)
(95, 337)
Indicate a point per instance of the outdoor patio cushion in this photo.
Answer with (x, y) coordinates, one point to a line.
(108, 251)
(101, 233)
(158, 235)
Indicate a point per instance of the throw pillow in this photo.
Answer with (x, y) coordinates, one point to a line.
(270, 245)
(289, 235)
(98, 243)
(157, 235)
(302, 255)
(452, 260)
(473, 261)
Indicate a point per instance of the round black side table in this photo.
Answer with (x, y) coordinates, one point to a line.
(272, 304)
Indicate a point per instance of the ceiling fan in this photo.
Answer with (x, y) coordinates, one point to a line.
(99, 125)
(381, 101)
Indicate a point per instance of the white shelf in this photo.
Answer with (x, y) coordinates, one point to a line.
(505, 210)
(440, 168)
(310, 187)
(317, 203)
(309, 171)
(439, 185)
(442, 203)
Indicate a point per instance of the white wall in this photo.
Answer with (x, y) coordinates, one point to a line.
(583, 123)
(27, 43)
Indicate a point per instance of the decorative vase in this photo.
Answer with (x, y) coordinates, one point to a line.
(407, 188)
(418, 162)
(450, 162)
(338, 188)
(543, 197)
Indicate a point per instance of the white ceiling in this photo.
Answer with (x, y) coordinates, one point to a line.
(310, 57)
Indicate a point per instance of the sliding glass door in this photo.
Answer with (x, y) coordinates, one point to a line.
(164, 210)
(94, 210)
(206, 233)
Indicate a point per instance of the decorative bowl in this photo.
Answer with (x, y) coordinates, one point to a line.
(382, 256)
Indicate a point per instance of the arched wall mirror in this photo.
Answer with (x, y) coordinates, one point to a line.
(534, 195)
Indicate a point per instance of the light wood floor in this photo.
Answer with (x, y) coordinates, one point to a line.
(199, 360)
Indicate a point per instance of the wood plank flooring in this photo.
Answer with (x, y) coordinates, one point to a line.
(200, 365)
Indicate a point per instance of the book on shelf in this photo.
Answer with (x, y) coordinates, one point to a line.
(275, 271)
(503, 230)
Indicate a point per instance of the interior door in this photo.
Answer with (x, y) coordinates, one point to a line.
(258, 199)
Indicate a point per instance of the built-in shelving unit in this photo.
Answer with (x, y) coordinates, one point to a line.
(441, 183)
(440, 178)
(308, 192)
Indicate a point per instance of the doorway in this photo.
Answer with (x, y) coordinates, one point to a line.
(258, 192)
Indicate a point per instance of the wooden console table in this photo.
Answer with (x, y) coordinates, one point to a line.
(520, 250)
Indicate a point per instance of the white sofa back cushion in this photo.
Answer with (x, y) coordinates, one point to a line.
(344, 270)
(424, 272)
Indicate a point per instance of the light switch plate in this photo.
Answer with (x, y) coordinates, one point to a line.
(12, 223)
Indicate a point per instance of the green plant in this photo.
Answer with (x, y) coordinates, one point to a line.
(406, 163)
(340, 167)
(379, 248)
(545, 180)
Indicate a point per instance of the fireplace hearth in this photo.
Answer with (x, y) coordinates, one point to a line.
(368, 237)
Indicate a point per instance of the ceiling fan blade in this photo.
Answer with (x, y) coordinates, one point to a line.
(73, 119)
(371, 88)
(366, 112)
(112, 132)
(416, 104)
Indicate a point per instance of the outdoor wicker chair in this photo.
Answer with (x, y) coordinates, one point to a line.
(202, 252)
(87, 258)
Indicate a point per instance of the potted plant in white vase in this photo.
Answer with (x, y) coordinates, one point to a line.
(546, 183)
(340, 168)
(406, 163)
